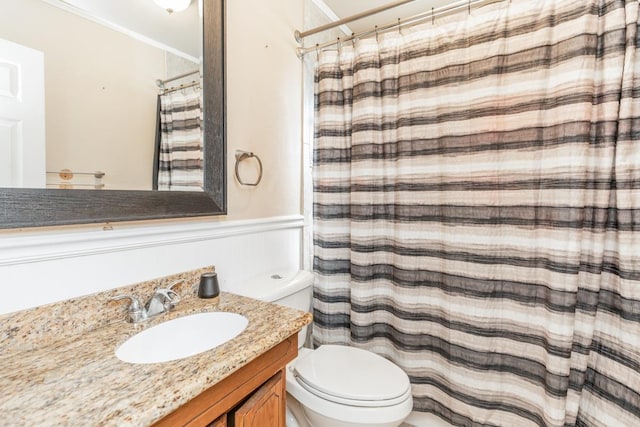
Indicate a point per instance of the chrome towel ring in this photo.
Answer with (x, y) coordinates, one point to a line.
(242, 155)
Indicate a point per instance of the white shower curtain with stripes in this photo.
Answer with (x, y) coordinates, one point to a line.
(477, 211)
(180, 154)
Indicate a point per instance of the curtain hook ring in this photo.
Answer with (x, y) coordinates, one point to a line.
(433, 18)
(353, 40)
(399, 27)
(317, 51)
(469, 7)
(376, 29)
(339, 44)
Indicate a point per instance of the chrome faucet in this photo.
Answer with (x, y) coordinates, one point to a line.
(163, 300)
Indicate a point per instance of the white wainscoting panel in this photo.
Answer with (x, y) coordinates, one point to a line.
(48, 267)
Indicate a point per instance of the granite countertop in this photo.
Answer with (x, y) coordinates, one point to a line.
(78, 380)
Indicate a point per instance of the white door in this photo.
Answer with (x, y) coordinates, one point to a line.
(22, 128)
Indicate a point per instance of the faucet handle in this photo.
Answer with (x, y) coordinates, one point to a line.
(163, 299)
(172, 295)
(177, 282)
(169, 298)
(135, 312)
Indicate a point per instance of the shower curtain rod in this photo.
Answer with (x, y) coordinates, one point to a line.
(161, 83)
(431, 14)
(301, 35)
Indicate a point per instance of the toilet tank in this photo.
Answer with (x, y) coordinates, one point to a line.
(293, 288)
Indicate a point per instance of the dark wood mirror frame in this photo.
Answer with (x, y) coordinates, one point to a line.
(39, 207)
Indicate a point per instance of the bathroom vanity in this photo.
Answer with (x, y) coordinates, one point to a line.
(58, 366)
(253, 396)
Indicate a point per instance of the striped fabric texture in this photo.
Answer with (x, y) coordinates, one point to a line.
(477, 211)
(180, 160)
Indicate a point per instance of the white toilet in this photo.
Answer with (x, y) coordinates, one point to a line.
(333, 386)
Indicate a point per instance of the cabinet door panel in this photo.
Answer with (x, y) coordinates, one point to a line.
(265, 408)
(220, 422)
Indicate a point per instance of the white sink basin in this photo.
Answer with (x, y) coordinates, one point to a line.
(181, 337)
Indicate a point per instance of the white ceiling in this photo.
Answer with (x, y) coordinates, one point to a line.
(145, 20)
(344, 8)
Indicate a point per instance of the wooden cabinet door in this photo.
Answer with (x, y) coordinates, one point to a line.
(266, 407)
(220, 422)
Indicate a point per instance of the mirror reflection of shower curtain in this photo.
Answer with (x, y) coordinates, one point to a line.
(178, 157)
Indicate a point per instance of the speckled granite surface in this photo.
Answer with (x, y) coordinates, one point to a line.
(31, 329)
(75, 380)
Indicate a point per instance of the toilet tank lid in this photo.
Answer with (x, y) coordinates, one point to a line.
(274, 285)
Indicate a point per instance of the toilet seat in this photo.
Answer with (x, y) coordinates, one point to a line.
(352, 376)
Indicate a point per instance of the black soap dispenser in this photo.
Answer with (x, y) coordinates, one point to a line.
(209, 286)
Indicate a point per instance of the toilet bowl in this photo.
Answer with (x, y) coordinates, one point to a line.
(341, 386)
(333, 386)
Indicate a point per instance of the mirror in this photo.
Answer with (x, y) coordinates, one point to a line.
(111, 93)
(28, 207)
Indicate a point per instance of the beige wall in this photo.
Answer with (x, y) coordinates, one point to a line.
(100, 92)
(264, 106)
